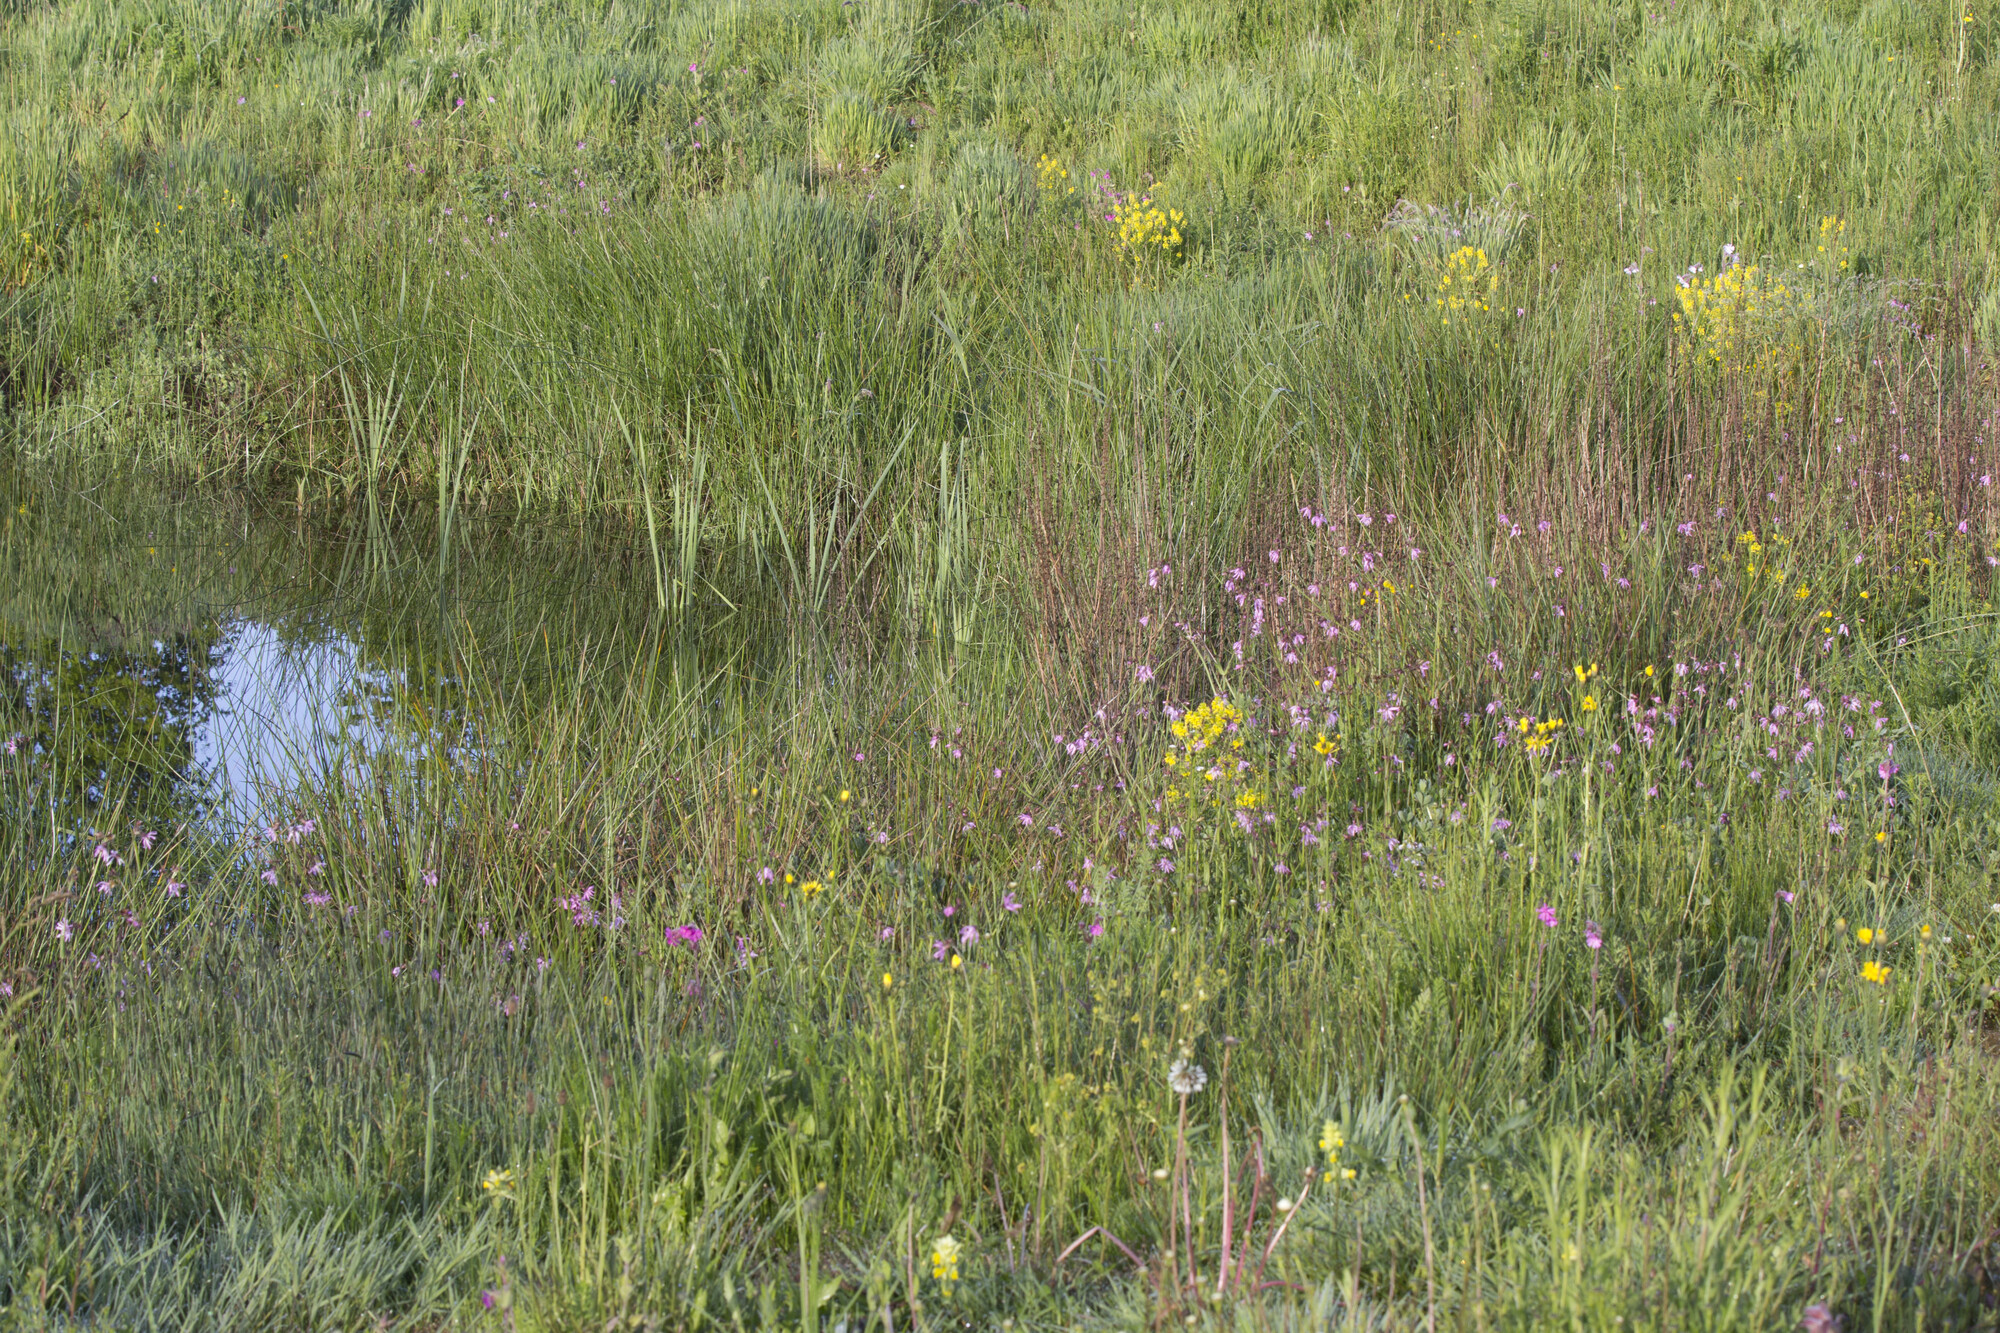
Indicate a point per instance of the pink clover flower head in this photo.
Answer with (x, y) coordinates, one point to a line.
(684, 937)
(1095, 928)
(1547, 913)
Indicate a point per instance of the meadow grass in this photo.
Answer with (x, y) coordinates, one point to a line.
(1300, 666)
(694, 985)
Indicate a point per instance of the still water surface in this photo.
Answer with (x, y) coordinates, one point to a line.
(202, 654)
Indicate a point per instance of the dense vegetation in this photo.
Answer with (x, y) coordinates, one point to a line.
(1059, 666)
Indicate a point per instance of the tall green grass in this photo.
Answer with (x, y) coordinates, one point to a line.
(306, 247)
(277, 1101)
(812, 538)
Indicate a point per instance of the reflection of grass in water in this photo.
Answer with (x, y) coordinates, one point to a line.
(1698, 1030)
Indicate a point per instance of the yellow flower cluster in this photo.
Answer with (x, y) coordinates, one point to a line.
(1146, 228)
(1538, 736)
(1201, 727)
(1331, 1141)
(1745, 319)
(944, 1260)
(1465, 284)
(1208, 728)
(1052, 178)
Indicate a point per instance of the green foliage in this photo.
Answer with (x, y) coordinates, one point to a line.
(780, 529)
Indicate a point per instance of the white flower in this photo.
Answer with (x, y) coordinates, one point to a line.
(1186, 1078)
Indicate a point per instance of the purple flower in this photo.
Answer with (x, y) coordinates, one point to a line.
(1548, 915)
(430, 879)
(684, 937)
(1095, 928)
(1010, 902)
(1591, 937)
(65, 930)
(1785, 895)
(1502, 825)
(269, 876)
(939, 950)
(968, 934)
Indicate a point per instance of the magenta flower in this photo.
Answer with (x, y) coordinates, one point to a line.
(1547, 913)
(1095, 928)
(1591, 937)
(684, 937)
